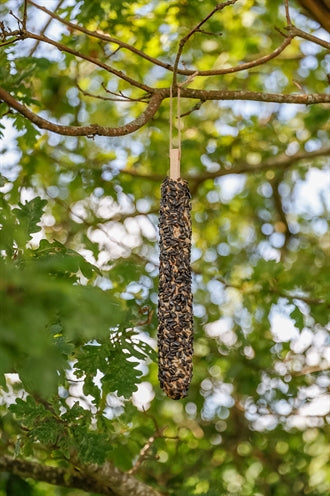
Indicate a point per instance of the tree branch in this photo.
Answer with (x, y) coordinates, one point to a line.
(278, 204)
(44, 29)
(24, 14)
(91, 130)
(92, 60)
(245, 65)
(117, 97)
(191, 32)
(146, 448)
(106, 480)
(310, 370)
(154, 103)
(287, 12)
(279, 162)
(256, 96)
(102, 36)
(293, 31)
(271, 289)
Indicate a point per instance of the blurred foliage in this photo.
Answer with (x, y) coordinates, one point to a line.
(78, 265)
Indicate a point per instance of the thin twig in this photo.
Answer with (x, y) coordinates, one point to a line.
(282, 215)
(19, 21)
(244, 66)
(44, 29)
(299, 86)
(208, 33)
(128, 98)
(114, 52)
(100, 97)
(5, 43)
(188, 80)
(287, 13)
(145, 449)
(118, 97)
(310, 370)
(189, 35)
(195, 107)
(293, 31)
(145, 310)
(5, 34)
(24, 14)
(253, 63)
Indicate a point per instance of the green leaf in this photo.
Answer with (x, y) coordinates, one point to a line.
(29, 138)
(122, 376)
(92, 447)
(29, 410)
(48, 431)
(59, 260)
(30, 213)
(298, 317)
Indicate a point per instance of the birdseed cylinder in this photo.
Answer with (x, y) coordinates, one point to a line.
(175, 315)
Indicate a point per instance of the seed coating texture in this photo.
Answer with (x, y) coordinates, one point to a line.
(175, 315)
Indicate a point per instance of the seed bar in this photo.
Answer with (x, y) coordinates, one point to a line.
(175, 315)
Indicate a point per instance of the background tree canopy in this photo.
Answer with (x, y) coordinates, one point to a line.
(84, 91)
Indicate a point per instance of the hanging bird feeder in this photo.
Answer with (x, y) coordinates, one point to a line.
(175, 313)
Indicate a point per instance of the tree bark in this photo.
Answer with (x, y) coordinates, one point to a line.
(318, 10)
(106, 480)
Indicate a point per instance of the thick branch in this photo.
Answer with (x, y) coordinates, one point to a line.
(91, 130)
(256, 96)
(155, 101)
(106, 480)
